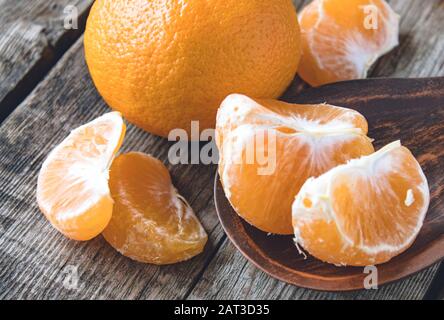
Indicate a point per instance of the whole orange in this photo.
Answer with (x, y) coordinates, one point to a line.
(165, 63)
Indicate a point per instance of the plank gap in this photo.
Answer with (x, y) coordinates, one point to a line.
(50, 55)
(205, 266)
(436, 288)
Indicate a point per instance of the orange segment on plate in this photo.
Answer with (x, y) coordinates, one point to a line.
(268, 149)
(341, 39)
(151, 222)
(72, 187)
(364, 212)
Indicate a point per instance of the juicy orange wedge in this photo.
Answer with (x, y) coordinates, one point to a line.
(151, 222)
(268, 149)
(364, 212)
(341, 39)
(72, 187)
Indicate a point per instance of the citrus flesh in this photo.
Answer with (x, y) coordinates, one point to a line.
(289, 144)
(341, 39)
(151, 222)
(72, 187)
(364, 212)
(165, 63)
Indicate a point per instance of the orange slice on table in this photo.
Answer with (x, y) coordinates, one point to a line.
(151, 222)
(364, 212)
(341, 39)
(268, 149)
(72, 187)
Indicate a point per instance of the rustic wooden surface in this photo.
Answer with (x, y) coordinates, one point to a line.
(37, 262)
(32, 38)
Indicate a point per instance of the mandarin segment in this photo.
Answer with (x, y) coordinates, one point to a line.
(341, 39)
(151, 222)
(164, 63)
(72, 187)
(269, 148)
(364, 212)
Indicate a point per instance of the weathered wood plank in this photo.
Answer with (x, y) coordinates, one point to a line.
(420, 53)
(32, 39)
(436, 289)
(421, 48)
(231, 276)
(36, 261)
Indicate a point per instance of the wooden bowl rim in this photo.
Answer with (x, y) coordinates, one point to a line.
(433, 253)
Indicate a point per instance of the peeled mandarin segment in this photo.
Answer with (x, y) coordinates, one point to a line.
(364, 212)
(341, 39)
(72, 187)
(269, 148)
(151, 222)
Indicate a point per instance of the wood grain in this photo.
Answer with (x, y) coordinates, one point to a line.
(32, 39)
(436, 289)
(419, 54)
(37, 262)
(245, 281)
(35, 259)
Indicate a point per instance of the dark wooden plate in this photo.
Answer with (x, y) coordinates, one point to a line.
(408, 109)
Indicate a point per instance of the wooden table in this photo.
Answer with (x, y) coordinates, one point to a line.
(45, 91)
